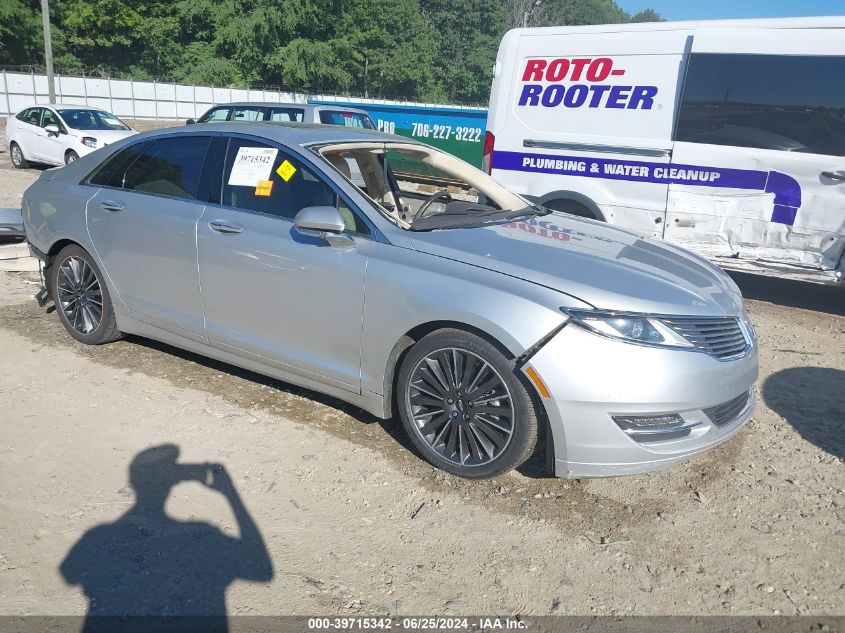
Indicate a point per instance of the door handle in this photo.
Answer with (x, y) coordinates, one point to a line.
(834, 175)
(109, 205)
(224, 227)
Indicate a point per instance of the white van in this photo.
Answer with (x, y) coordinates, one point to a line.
(727, 137)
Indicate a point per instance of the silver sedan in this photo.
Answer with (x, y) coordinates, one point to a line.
(398, 278)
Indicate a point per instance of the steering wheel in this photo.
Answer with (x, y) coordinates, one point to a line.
(431, 200)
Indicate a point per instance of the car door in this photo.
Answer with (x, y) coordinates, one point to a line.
(758, 165)
(270, 293)
(53, 144)
(29, 134)
(142, 222)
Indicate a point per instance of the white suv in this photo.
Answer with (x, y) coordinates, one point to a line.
(59, 134)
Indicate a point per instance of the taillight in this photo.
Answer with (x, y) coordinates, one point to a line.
(487, 156)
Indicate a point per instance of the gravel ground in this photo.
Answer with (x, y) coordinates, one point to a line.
(338, 515)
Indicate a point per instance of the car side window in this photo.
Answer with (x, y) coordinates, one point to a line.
(50, 118)
(31, 116)
(110, 172)
(286, 114)
(169, 167)
(215, 114)
(259, 177)
(247, 114)
(741, 100)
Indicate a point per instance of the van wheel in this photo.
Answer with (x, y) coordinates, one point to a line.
(70, 157)
(18, 159)
(81, 297)
(463, 407)
(571, 207)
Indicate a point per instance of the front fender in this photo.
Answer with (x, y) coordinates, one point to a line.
(406, 289)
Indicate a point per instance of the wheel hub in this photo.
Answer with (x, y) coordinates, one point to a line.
(461, 406)
(79, 295)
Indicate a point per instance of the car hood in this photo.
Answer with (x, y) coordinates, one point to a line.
(607, 267)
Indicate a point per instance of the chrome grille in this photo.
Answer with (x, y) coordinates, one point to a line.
(727, 412)
(720, 337)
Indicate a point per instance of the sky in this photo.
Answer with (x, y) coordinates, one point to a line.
(726, 9)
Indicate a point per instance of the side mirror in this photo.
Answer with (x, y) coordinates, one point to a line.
(317, 221)
(190, 122)
(52, 129)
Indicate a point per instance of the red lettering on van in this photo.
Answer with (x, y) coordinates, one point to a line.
(534, 70)
(557, 70)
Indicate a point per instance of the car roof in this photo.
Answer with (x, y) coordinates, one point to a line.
(288, 133)
(283, 104)
(59, 106)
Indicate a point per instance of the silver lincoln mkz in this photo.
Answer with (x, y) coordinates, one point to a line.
(398, 278)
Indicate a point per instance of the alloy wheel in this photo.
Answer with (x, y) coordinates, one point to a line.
(80, 295)
(461, 407)
(17, 155)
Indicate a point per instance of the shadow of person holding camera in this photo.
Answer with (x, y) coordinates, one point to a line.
(147, 571)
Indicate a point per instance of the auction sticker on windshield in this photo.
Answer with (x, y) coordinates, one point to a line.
(252, 165)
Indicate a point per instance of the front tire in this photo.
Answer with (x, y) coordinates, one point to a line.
(17, 156)
(463, 406)
(81, 297)
(70, 157)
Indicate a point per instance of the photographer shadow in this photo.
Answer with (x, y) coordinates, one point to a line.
(148, 571)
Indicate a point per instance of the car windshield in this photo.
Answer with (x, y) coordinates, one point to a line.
(420, 188)
(348, 119)
(92, 120)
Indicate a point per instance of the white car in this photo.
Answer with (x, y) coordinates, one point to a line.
(59, 134)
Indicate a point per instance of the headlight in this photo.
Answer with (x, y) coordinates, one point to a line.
(636, 328)
(90, 141)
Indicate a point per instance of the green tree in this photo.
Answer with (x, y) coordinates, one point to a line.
(97, 33)
(467, 36)
(647, 15)
(428, 50)
(20, 33)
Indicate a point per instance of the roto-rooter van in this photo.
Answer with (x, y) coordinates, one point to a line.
(726, 137)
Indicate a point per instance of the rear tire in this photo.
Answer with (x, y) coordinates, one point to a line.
(17, 156)
(70, 157)
(571, 207)
(81, 297)
(463, 406)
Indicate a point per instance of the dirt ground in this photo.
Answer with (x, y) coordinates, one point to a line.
(339, 516)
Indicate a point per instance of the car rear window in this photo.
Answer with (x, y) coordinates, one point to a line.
(170, 167)
(347, 119)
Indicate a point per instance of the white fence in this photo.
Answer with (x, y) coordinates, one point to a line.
(127, 98)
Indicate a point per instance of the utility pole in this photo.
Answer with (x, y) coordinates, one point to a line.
(527, 14)
(48, 50)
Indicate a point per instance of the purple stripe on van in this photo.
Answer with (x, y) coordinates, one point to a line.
(786, 189)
